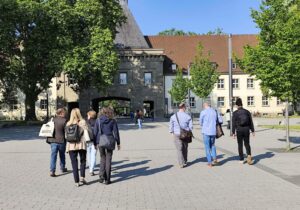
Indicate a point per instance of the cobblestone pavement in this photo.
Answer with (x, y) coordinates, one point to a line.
(146, 176)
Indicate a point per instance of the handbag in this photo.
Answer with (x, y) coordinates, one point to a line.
(219, 130)
(106, 141)
(185, 136)
(47, 129)
(86, 135)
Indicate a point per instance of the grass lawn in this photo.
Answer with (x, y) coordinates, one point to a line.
(282, 127)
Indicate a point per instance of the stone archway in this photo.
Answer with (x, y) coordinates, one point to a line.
(121, 105)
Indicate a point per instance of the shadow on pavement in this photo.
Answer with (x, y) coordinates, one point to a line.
(130, 165)
(232, 158)
(293, 139)
(134, 173)
(257, 158)
(203, 160)
(20, 134)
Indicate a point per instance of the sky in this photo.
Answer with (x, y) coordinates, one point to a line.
(199, 16)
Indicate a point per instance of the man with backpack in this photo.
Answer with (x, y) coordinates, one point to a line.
(242, 124)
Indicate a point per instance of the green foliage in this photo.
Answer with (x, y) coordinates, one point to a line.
(217, 31)
(275, 61)
(179, 88)
(175, 32)
(39, 39)
(203, 74)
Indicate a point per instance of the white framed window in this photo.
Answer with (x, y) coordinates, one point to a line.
(192, 102)
(265, 101)
(250, 100)
(71, 80)
(221, 101)
(279, 102)
(148, 78)
(234, 65)
(214, 65)
(220, 84)
(43, 104)
(174, 103)
(235, 84)
(250, 83)
(123, 78)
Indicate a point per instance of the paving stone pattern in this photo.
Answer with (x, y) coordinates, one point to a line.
(145, 174)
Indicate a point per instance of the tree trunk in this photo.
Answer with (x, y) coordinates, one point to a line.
(30, 99)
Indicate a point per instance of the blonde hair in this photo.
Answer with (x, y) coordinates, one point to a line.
(92, 114)
(75, 116)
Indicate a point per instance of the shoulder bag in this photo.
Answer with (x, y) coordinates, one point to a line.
(106, 141)
(185, 136)
(47, 129)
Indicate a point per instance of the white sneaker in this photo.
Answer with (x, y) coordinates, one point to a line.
(241, 161)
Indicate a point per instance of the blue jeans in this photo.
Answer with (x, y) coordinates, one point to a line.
(140, 123)
(210, 148)
(91, 156)
(61, 149)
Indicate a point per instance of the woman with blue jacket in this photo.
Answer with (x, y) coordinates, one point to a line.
(106, 125)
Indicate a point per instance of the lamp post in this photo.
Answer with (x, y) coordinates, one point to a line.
(230, 79)
(189, 93)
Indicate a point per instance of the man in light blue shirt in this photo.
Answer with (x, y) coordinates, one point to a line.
(208, 121)
(185, 122)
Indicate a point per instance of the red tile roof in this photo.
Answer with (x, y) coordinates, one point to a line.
(182, 49)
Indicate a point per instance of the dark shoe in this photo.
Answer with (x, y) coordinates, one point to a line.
(101, 180)
(107, 182)
(52, 174)
(64, 170)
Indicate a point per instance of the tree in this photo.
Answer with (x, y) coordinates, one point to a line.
(94, 59)
(275, 61)
(39, 39)
(175, 32)
(203, 74)
(179, 88)
(217, 31)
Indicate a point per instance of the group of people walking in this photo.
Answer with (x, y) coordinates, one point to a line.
(242, 124)
(89, 133)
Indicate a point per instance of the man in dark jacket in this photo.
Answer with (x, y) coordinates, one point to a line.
(58, 142)
(242, 124)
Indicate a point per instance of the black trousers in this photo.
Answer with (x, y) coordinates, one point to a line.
(105, 163)
(74, 161)
(243, 136)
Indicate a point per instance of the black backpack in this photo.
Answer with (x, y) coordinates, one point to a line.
(243, 118)
(72, 133)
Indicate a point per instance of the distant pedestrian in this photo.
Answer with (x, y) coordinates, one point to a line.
(181, 120)
(106, 125)
(140, 116)
(58, 142)
(227, 118)
(242, 124)
(208, 119)
(91, 148)
(77, 148)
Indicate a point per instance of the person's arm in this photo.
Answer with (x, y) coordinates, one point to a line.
(233, 123)
(201, 118)
(251, 123)
(95, 132)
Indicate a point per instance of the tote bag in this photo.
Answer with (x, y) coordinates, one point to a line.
(47, 129)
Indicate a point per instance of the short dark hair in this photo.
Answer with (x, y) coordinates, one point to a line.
(239, 102)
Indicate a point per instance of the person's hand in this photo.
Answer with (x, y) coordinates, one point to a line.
(119, 147)
(253, 134)
(233, 135)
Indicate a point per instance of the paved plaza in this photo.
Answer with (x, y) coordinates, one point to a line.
(146, 176)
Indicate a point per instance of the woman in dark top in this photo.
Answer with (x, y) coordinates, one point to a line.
(105, 124)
